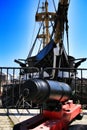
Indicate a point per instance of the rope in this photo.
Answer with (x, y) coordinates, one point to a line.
(54, 5)
(38, 6)
(31, 50)
(67, 35)
(33, 33)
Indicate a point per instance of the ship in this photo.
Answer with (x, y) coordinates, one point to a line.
(52, 61)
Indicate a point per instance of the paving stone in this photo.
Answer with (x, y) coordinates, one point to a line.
(7, 121)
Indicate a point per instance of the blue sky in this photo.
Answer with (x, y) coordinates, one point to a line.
(17, 24)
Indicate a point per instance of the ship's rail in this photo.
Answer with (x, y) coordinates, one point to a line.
(11, 77)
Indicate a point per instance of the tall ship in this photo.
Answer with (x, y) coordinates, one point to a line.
(52, 61)
(52, 55)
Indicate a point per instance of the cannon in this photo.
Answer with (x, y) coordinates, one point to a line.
(57, 111)
(40, 90)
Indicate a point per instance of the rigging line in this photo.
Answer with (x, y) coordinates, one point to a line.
(33, 32)
(67, 35)
(30, 52)
(54, 5)
(35, 22)
(38, 6)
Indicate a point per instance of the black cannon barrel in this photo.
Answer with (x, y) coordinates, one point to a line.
(40, 90)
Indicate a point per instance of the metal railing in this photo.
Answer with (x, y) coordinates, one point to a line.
(12, 78)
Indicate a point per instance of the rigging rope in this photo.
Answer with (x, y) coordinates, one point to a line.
(38, 6)
(54, 5)
(33, 32)
(67, 33)
(31, 50)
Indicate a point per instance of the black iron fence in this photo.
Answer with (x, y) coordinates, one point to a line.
(12, 79)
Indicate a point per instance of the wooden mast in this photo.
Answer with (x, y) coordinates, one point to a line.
(45, 16)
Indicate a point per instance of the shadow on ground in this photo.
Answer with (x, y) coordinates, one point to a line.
(78, 127)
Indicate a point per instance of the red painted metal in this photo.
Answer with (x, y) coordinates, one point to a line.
(52, 120)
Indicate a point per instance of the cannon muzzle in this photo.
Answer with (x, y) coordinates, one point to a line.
(40, 90)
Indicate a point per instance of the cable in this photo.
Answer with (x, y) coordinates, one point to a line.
(33, 32)
(54, 5)
(38, 6)
(67, 34)
(67, 41)
(31, 50)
